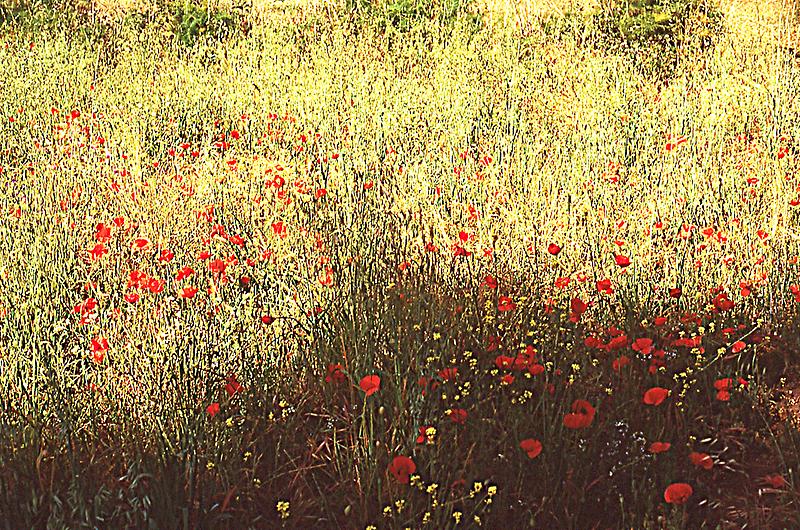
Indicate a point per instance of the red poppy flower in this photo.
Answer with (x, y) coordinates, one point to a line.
(141, 243)
(132, 298)
(402, 467)
(490, 282)
(426, 434)
(620, 362)
(776, 481)
(335, 374)
(678, 493)
(458, 416)
(188, 292)
(655, 396)
(604, 286)
(233, 386)
(701, 460)
(738, 346)
(448, 373)
(213, 409)
(103, 233)
(659, 447)
(536, 369)
(622, 261)
(643, 346)
(370, 384)
(531, 446)
(581, 416)
(553, 249)
(505, 304)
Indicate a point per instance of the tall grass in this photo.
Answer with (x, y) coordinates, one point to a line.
(356, 200)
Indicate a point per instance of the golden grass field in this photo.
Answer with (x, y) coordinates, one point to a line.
(319, 274)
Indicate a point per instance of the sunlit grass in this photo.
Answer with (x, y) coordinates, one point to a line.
(208, 248)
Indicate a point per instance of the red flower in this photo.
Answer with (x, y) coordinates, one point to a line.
(620, 362)
(659, 447)
(184, 273)
(233, 386)
(335, 374)
(370, 384)
(578, 306)
(505, 304)
(738, 346)
(141, 243)
(776, 481)
(401, 468)
(531, 446)
(622, 261)
(448, 373)
(103, 233)
(458, 416)
(553, 249)
(425, 436)
(701, 460)
(581, 416)
(655, 396)
(188, 292)
(643, 346)
(678, 493)
(213, 409)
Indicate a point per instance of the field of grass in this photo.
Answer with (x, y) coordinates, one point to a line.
(319, 271)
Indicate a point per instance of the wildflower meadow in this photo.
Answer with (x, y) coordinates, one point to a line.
(389, 264)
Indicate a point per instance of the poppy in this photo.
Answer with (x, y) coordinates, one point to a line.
(458, 416)
(188, 292)
(532, 447)
(140, 244)
(213, 409)
(233, 386)
(581, 416)
(103, 233)
(334, 374)
(505, 304)
(448, 373)
(701, 460)
(370, 384)
(536, 369)
(184, 273)
(643, 346)
(622, 261)
(553, 249)
(655, 396)
(426, 434)
(578, 306)
(659, 447)
(402, 467)
(678, 493)
(132, 298)
(776, 481)
(620, 362)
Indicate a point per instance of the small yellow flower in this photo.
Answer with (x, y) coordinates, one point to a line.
(457, 517)
(283, 509)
